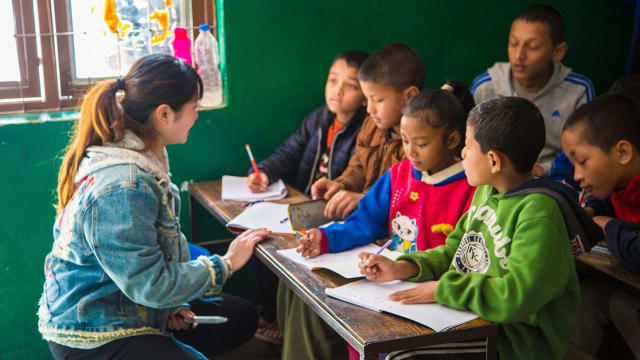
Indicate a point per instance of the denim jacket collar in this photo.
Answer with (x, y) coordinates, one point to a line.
(125, 151)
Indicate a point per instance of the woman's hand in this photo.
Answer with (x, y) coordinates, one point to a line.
(421, 294)
(176, 321)
(241, 248)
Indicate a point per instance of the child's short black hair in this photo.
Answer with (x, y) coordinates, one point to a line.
(511, 125)
(353, 58)
(444, 107)
(628, 85)
(608, 119)
(395, 65)
(548, 16)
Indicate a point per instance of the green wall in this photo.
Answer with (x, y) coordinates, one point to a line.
(278, 53)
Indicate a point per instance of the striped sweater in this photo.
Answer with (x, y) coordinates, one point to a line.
(564, 92)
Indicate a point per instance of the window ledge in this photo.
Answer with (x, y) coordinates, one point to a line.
(39, 117)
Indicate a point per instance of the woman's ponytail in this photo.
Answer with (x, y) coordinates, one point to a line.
(100, 121)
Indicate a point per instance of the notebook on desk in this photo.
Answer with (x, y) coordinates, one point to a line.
(235, 188)
(344, 263)
(375, 296)
(267, 215)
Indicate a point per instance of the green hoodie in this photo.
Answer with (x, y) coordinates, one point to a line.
(509, 260)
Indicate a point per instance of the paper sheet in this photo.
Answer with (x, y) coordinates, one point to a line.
(235, 188)
(343, 263)
(375, 296)
(263, 215)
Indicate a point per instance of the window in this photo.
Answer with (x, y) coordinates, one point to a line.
(53, 50)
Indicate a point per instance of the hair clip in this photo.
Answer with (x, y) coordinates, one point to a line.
(447, 87)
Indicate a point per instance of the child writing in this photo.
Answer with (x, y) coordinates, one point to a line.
(602, 140)
(509, 259)
(419, 200)
(320, 148)
(388, 79)
(324, 143)
(118, 278)
(534, 72)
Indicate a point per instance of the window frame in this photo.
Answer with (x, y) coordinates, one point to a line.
(56, 48)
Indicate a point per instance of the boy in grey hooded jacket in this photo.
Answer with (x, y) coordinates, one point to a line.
(536, 47)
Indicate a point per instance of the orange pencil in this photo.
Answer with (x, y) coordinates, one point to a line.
(253, 163)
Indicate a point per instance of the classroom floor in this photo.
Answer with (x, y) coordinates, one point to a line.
(254, 349)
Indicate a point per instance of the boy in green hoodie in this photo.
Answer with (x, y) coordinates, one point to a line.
(509, 259)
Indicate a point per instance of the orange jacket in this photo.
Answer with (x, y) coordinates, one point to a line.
(375, 153)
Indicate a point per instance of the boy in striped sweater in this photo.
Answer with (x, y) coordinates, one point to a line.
(534, 72)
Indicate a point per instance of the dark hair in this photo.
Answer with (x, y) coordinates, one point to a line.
(442, 108)
(608, 119)
(353, 58)
(548, 16)
(462, 93)
(153, 80)
(628, 85)
(158, 79)
(512, 125)
(395, 65)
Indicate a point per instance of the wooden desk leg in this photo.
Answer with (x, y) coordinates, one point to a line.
(492, 340)
(368, 356)
(193, 221)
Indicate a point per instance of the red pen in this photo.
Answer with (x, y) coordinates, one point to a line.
(253, 163)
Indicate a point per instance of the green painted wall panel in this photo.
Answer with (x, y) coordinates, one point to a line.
(278, 53)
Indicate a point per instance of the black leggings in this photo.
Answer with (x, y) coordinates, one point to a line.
(209, 339)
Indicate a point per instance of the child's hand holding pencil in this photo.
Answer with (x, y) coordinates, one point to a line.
(376, 267)
(310, 243)
(257, 183)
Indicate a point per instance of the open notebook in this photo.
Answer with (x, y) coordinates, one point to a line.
(263, 215)
(343, 263)
(235, 188)
(375, 296)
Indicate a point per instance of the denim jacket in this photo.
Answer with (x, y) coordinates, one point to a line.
(120, 264)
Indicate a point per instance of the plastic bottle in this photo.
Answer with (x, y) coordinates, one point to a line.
(207, 59)
(182, 45)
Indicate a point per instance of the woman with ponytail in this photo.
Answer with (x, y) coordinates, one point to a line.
(118, 281)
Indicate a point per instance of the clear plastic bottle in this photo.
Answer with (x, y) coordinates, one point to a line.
(182, 45)
(207, 60)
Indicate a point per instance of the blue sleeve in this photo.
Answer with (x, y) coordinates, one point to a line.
(368, 223)
(562, 170)
(127, 248)
(623, 241)
(284, 161)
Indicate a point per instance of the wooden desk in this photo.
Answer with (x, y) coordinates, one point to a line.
(367, 331)
(610, 268)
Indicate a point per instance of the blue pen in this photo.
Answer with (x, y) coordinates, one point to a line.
(252, 203)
